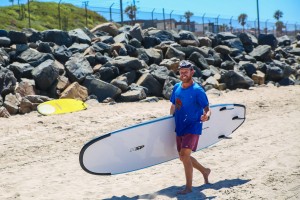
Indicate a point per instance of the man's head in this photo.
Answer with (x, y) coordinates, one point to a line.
(186, 71)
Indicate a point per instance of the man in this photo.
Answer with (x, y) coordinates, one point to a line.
(190, 107)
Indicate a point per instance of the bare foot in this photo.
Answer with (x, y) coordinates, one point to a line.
(185, 191)
(205, 175)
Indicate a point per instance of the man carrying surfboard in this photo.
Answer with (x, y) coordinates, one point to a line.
(190, 107)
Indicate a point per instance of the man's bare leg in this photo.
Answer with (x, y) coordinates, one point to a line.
(185, 157)
(205, 171)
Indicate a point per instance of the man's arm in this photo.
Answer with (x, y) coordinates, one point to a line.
(172, 109)
(206, 114)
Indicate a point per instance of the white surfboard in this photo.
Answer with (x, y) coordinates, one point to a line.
(153, 142)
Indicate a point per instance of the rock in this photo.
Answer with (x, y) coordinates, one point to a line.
(132, 95)
(284, 41)
(295, 51)
(160, 73)
(79, 36)
(78, 68)
(204, 41)
(274, 73)
(101, 89)
(155, 56)
(136, 32)
(234, 80)
(171, 64)
(26, 87)
(101, 47)
(198, 60)
(134, 42)
(33, 57)
(168, 87)
(173, 52)
(222, 49)
(108, 72)
(58, 37)
(45, 74)
(109, 28)
(262, 53)
(150, 42)
(131, 50)
(21, 70)
(122, 84)
(107, 39)
(227, 65)
(17, 37)
(4, 58)
(162, 35)
(258, 77)
(149, 82)
(29, 103)
(12, 103)
(3, 33)
(44, 47)
(75, 91)
(5, 41)
(268, 39)
(286, 82)
(226, 36)
(235, 43)
(126, 63)
(250, 69)
(4, 113)
(7, 81)
(32, 35)
(62, 54)
(78, 48)
(63, 83)
(122, 38)
(211, 81)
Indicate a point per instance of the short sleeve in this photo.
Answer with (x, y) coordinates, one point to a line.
(202, 98)
(172, 98)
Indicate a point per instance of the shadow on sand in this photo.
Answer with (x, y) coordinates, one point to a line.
(171, 192)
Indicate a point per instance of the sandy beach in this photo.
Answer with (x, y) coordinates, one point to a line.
(39, 154)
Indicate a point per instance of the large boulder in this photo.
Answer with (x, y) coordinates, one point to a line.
(109, 28)
(78, 68)
(75, 91)
(168, 87)
(262, 53)
(101, 89)
(62, 53)
(79, 36)
(45, 74)
(155, 56)
(199, 60)
(162, 35)
(12, 103)
(7, 81)
(173, 52)
(126, 63)
(268, 39)
(132, 96)
(136, 32)
(58, 37)
(33, 57)
(149, 82)
(234, 80)
(32, 34)
(284, 41)
(21, 70)
(17, 37)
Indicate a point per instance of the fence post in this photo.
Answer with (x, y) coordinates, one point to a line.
(29, 22)
(110, 12)
(121, 11)
(59, 21)
(152, 17)
(171, 19)
(164, 19)
(203, 24)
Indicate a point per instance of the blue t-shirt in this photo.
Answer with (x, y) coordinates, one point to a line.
(189, 104)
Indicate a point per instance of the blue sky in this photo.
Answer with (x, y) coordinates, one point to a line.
(211, 8)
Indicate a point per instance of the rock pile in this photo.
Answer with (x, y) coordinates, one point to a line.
(130, 64)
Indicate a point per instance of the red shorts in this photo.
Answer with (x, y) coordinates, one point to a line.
(189, 141)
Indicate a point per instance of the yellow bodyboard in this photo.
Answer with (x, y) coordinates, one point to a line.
(61, 106)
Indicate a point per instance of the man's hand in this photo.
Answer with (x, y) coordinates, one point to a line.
(204, 117)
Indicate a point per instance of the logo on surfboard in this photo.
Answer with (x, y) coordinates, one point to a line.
(137, 148)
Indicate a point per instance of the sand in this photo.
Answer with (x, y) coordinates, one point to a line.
(39, 154)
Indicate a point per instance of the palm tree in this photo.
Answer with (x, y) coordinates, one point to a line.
(131, 12)
(12, 2)
(187, 15)
(278, 14)
(242, 19)
(279, 24)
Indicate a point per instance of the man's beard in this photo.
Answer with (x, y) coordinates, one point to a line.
(187, 79)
